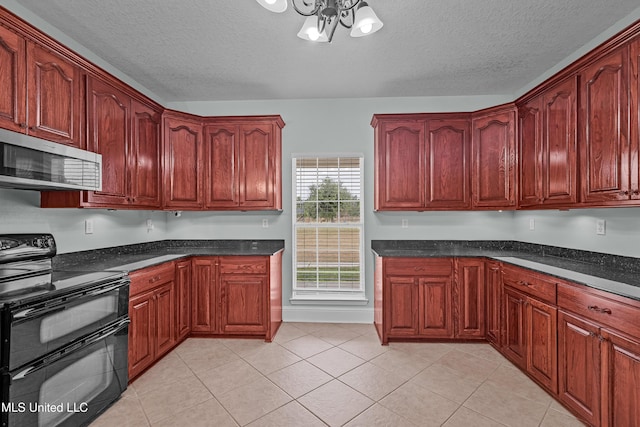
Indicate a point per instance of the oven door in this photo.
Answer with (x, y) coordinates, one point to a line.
(70, 387)
(40, 328)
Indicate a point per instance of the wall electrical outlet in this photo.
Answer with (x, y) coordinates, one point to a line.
(150, 225)
(405, 223)
(88, 226)
(601, 227)
(532, 224)
(265, 223)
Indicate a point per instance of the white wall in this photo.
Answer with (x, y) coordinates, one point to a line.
(20, 213)
(577, 229)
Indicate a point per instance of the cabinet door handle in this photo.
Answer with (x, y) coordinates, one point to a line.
(523, 283)
(635, 192)
(418, 268)
(154, 279)
(624, 193)
(599, 310)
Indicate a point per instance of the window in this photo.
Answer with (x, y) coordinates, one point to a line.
(328, 228)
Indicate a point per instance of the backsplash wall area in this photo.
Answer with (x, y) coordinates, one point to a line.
(20, 212)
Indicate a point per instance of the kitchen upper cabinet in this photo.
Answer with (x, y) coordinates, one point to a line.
(109, 124)
(469, 298)
(494, 159)
(634, 70)
(183, 154)
(13, 83)
(400, 164)
(54, 97)
(422, 162)
(126, 132)
(41, 91)
(243, 162)
(448, 164)
(548, 147)
(144, 168)
(605, 150)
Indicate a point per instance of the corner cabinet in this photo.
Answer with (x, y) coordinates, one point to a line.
(422, 162)
(548, 147)
(242, 163)
(494, 159)
(429, 298)
(183, 152)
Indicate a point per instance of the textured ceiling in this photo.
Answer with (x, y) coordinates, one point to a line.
(206, 50)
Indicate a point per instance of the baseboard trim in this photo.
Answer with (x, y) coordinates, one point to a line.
(327, 314)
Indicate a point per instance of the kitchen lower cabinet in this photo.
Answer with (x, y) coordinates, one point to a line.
(237, 296)
(599, 356)
(183, 299)
(469, 298)
(152, 313)
(493, 307)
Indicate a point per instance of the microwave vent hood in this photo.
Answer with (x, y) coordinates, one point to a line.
(35, 164)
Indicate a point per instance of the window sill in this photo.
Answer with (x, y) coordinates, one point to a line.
(329, 299)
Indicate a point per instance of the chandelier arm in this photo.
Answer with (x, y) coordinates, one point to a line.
(344, 15)
(313, 12)
(344, 9)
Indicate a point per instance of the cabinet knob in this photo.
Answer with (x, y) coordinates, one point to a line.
(635, 192)
(624, 193)
(523, 283)
(23, 125)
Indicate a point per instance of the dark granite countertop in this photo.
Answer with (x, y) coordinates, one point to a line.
(143, 255)
(612, 273)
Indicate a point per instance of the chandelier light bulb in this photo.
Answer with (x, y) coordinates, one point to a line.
(366, 28)
(277, 6)
(270, 1)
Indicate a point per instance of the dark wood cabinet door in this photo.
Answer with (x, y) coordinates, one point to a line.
(401, 306)
(54, 97)
(12, 81)
(448, 167)
(514, 344)
(182, 163)
(560, 164)
(469, 298)
(604, 129)
(400, 158)
(530, 154)
(145, 161)
(222, 166)
(203, 294)
(165, 314)
(621, 380)
(244, 303)
(634, 103)
(494, 303)
(434, 307)
(183, 299)
(541, 343)
(493, 164)
(579, 366)
(141, 333)
(257, 166)
(109, 114)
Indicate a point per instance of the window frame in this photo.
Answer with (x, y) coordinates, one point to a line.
(330, 296)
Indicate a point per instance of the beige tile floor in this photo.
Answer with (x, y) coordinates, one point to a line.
(317, 374)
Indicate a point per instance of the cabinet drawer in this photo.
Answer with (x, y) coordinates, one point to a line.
(537, 285)
(418, 266)
(149, 278)
(606, 311)
(243, 265)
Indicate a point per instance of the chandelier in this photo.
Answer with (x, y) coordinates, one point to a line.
(323, 17)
